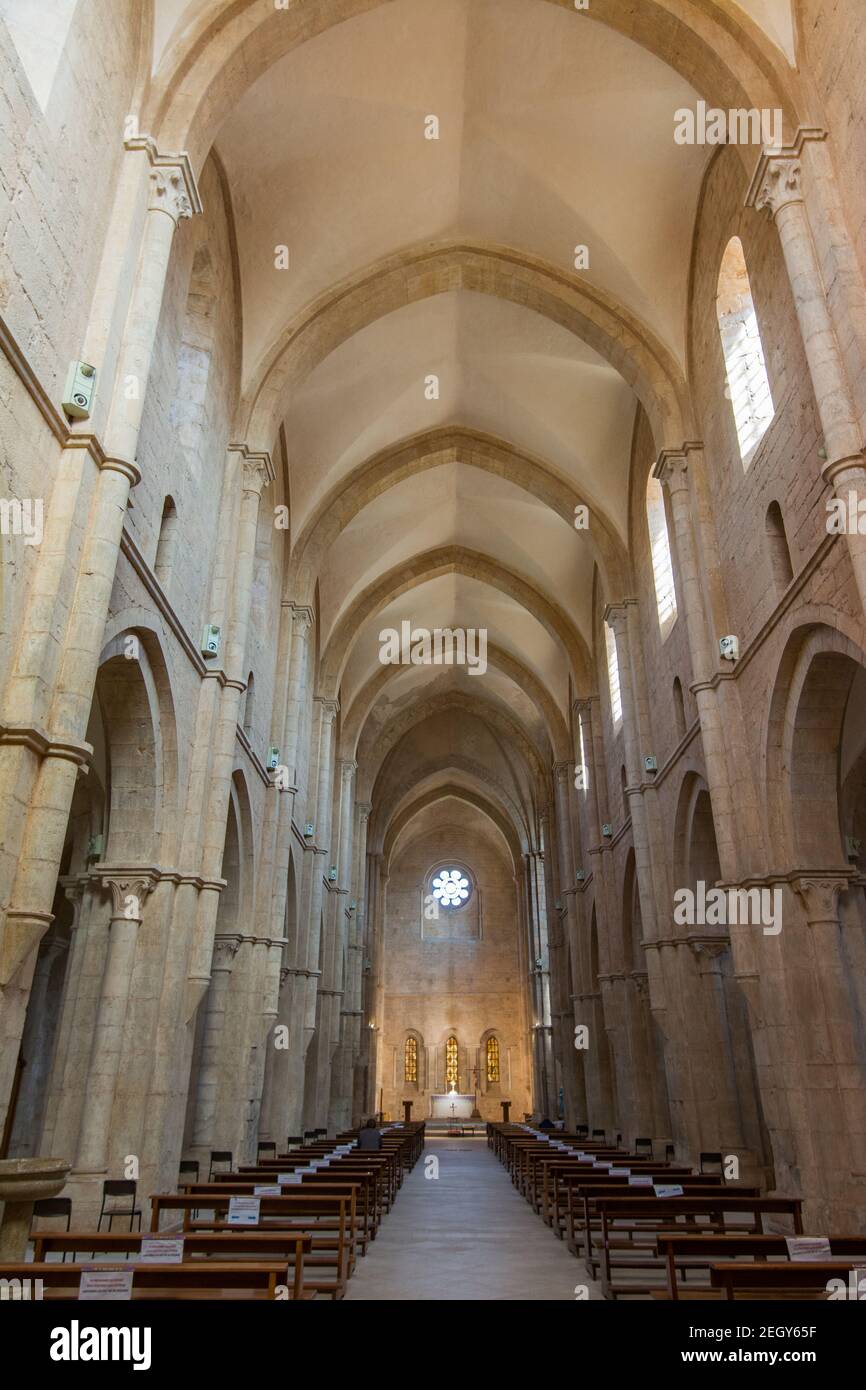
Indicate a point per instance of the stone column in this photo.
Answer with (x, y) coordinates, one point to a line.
(777, 187)
(55, 679)
(257, 472)
(358, 945)
(568, 932)
(833, 1126)
(739, 834)
(587, 998)
(207, 1090)
(650, 879)
(36, 1046)
(288, 709)
(338, 1083)
(129, 889)
(539, 968)
(311, 1039)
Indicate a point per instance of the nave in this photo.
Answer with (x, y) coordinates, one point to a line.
(432, 640)
(461, 1233)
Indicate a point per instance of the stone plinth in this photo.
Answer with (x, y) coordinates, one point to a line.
(24, 1181)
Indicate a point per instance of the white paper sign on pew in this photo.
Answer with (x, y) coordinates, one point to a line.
(621, 1172)
(265, 1191)
(244, 1211)
(106, 1283)
(803, 1248)
(290, 1179)
(640, 1180)
(161, 1250)
(667, 1189)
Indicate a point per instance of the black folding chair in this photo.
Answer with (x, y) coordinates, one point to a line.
(266, 1146)
(711, 1163)
(49, 1207)
(219, 1156)
(644, 1146)
(119, 1187)
(54, 1206)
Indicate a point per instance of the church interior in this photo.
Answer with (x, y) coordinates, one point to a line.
(433, 650)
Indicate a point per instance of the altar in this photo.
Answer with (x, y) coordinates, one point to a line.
(441, 1106)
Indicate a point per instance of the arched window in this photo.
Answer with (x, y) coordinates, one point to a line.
(748, 383)
(166, 546)
(249, 706)
(493, 1060)
(777, 544)
(679, 708)
(410, 1061)
(581, 782)
(452, 1068)
(663, 570)
(613, 676)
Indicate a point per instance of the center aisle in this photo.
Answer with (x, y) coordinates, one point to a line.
(466, 1234)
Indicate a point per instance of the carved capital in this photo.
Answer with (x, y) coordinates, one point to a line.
(129, 889)
(302, 620)
(778, 184)
(616, 616)
(225, 948)
(257, 474)
(672, 467)
(562, 771)
(819, 894)
(172, 180)
(328, 709)
(711, 947)
(169, 192)
(348, 768)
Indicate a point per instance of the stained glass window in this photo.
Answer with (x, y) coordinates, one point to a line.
(451, 888)
(410, 1060)
(451, 1068)
(492, 1059)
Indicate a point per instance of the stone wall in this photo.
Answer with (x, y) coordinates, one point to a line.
(457, 974)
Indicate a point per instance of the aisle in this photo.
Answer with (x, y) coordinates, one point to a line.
(464, 1235)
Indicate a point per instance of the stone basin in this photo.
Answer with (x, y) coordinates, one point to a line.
(24, 1181)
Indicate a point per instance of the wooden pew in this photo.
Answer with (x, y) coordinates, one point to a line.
(290, 1247)
(697, 1252)
(573, 1191)
(780, 1279)
(380, 1176)
(363, 1185)
(707, 1211)
(331, 1214)
(191, 1279)
(551, 1197)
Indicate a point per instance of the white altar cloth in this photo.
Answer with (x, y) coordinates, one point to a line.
(441, 1107)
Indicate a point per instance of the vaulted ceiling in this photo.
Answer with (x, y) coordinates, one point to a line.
(439, 428)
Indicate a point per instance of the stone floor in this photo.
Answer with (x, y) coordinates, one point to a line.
(465, 1235)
